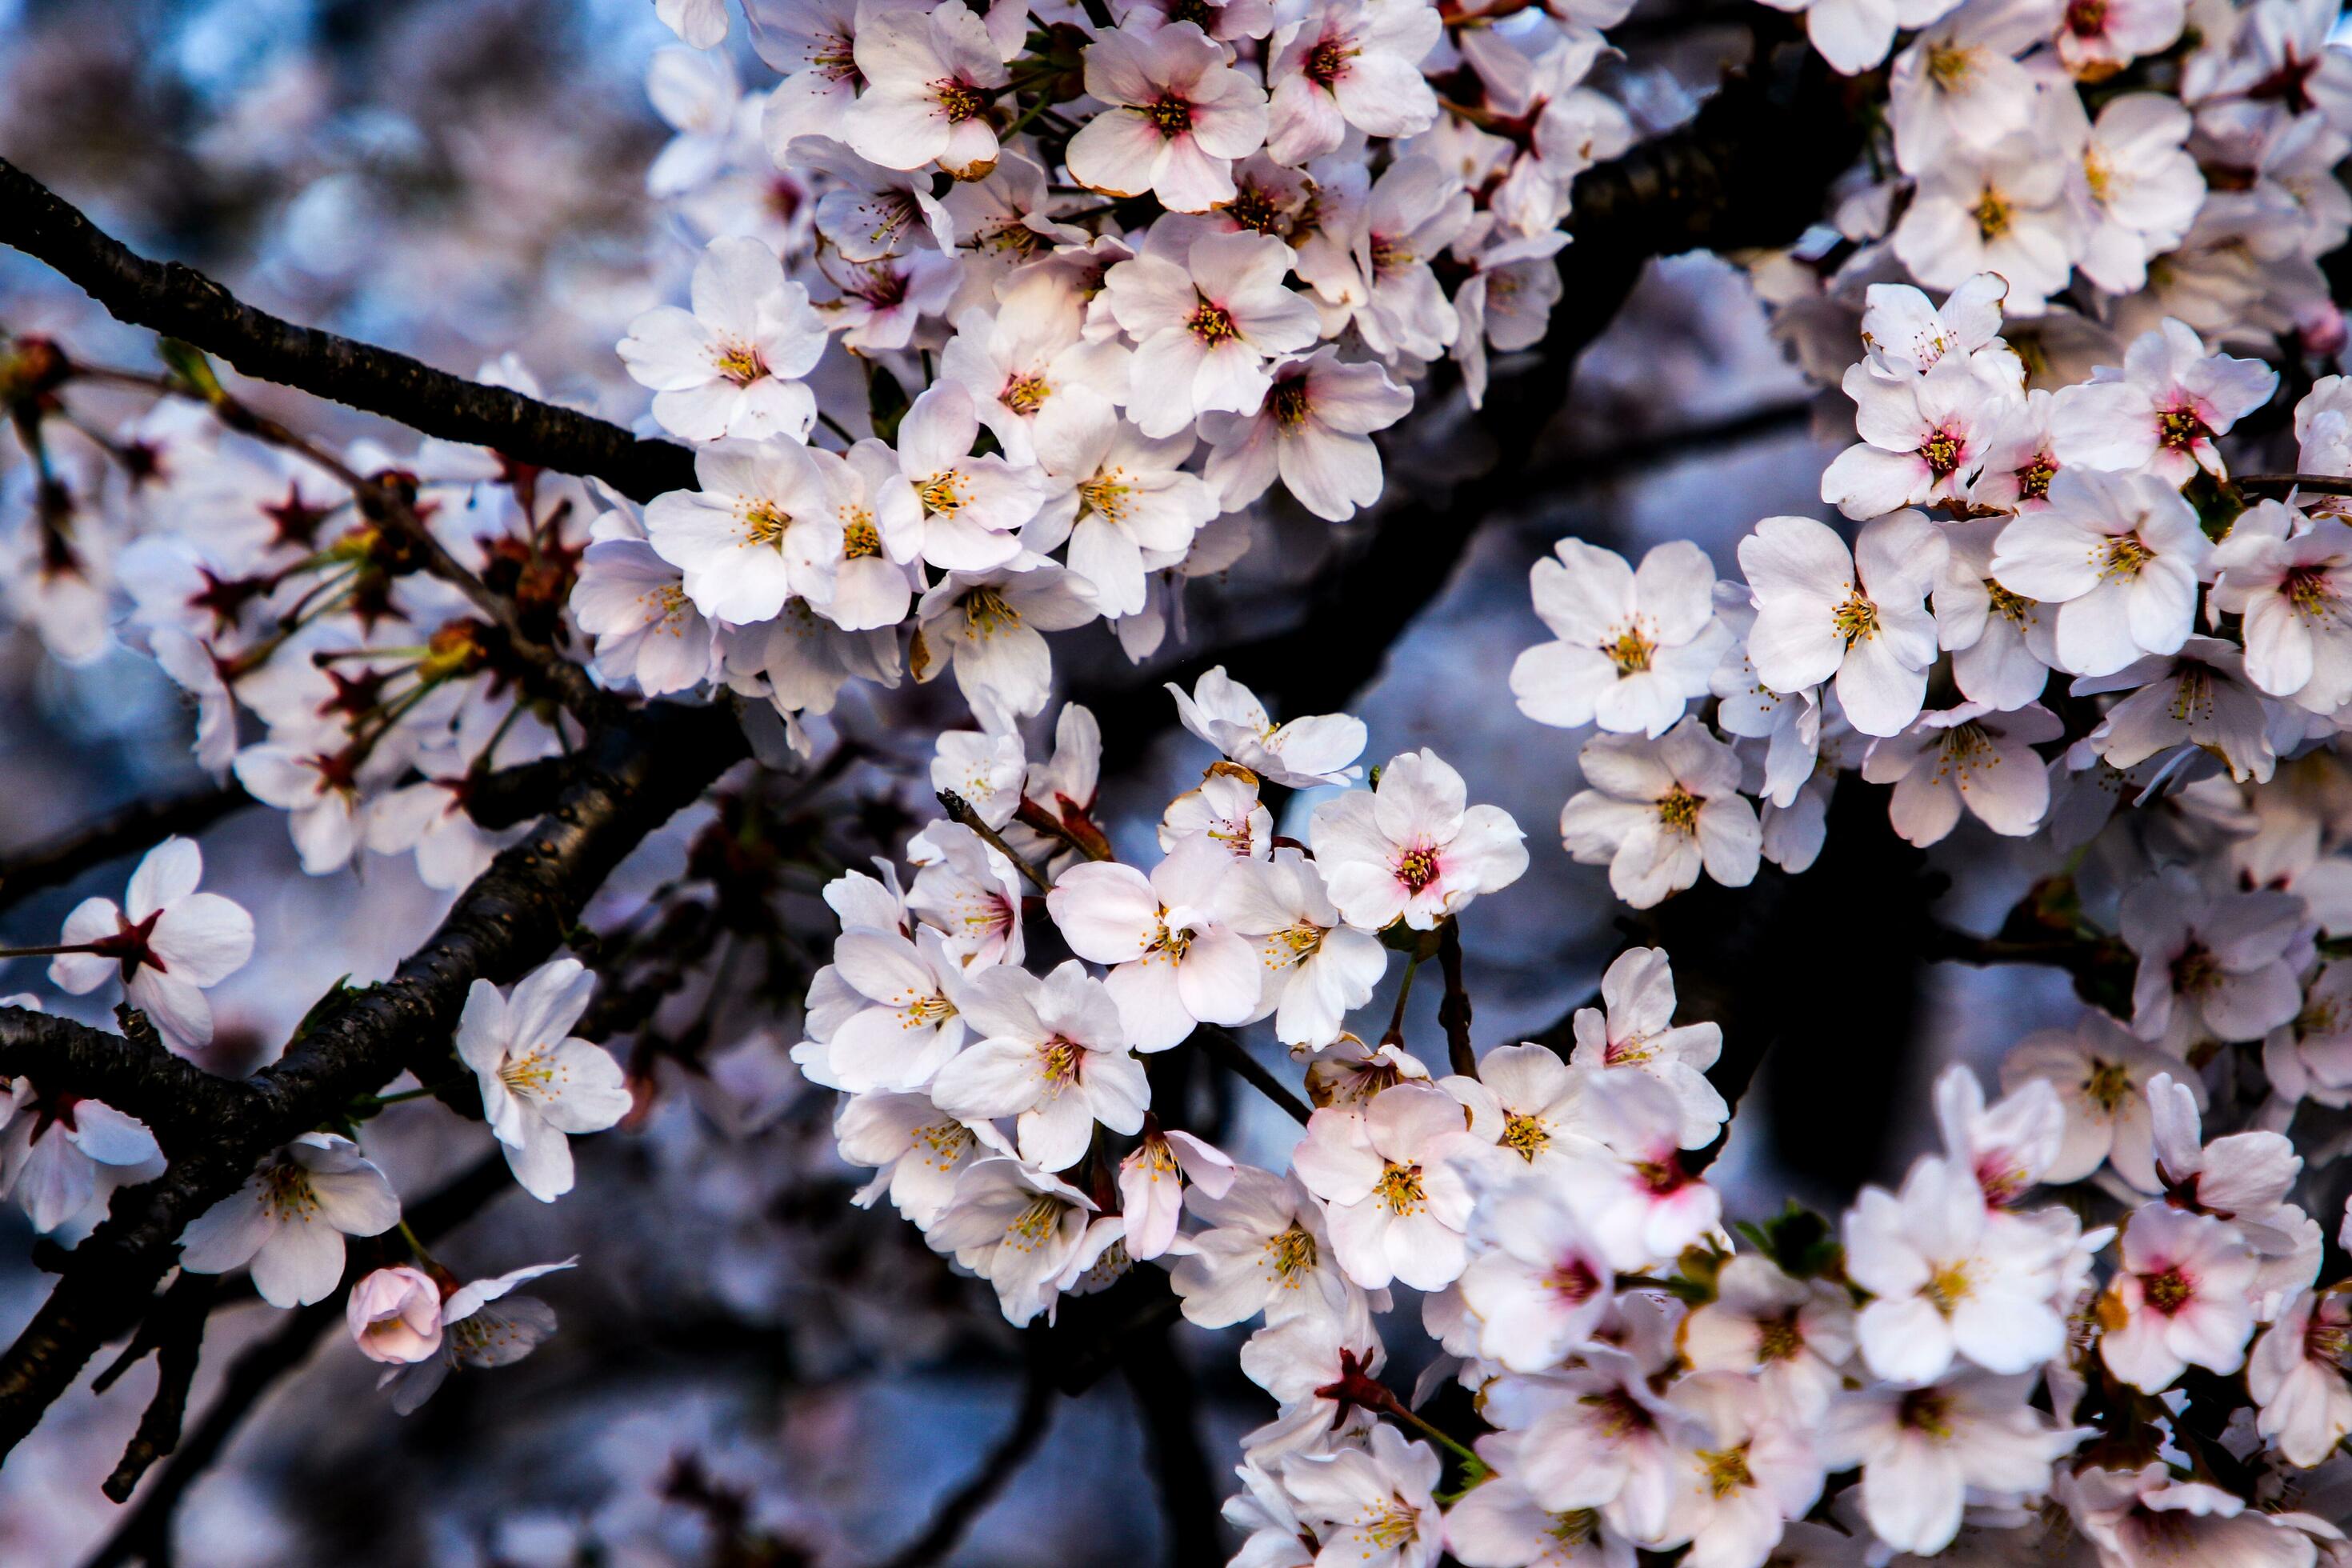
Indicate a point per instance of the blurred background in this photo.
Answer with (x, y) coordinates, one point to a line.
(750, 1370)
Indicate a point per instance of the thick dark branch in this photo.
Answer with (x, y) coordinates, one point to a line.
(633, 775)
(1749, 170)
(136, 827)
(185, 304)
(178, 1102)
(972, 1500)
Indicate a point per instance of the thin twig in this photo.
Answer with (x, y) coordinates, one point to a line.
(1454, 1008)
(2317, 484)
(132, 830)
(959, 811)
(972, 1498)
(178, 1334)
(1235, 1055)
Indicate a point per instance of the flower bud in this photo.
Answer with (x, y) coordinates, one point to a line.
(395, 1315)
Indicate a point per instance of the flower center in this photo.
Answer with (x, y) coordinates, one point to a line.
(1036, 1222)
(1391, 1525)
(1400, 1188)
(2166, 1292)
(1948, 1287)
(2125, 556)
(1941, 453)
(1572, 1281)
(1949, 66)
(1024, 394)
(1925, 1410)
(764, 523)
(959, 100)
(1856, 619)
(1631, 652)
(1992, 214)
(2180, 427)
(1253, 207)
(1291, 1254)
(1525, 1134)
(2311, 590)
(1779, 1339)
(2012, 607)
(2087, 18)
(1170, 116)
(941, 494)
(1060, 1062)
(985, 613)
(1725, 1469)
(1324, 63)
(740, 364)
(287, 1192)
(2196, 971)
(1678, 810)
(1212, 324)
(1288, 401)
(1417, 868)
(858, 536)
(1106, 494)
(2033, 478)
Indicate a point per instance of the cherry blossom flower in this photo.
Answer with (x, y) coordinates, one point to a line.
(538, 1085)
(1180, 116)
(1792, 1335)
(728, 536)
(1633, 648)
(886, 1012)
(1853, 35)
(1949, 1278)
(395, 1315)
(1643, 1203)
(1752, 1470)
(1958, 85)
(2244, 1178)
(1124, 499)
(2179, 1298)
(701, 22)
(1999, 209)
(289, 1218)
(1313, 429)
(1409, 849)
(1925, 1451)
(2142, 1518)
(731, 365)
(917, 1150)
(987, 626)
(967, 890)
(2162, 411)
(1499, 1525)
(1174, 962)
(2009, 1146)
(1347, 63)
(1972, 756)
(61, 1153)
(1923, 437)
(1031, 354)
(1860, 617)
(2297, 1376)
(1051, 1052)
(1317, 969)
(1387, 1173)
(1154, 1177)
(2210, 967)
(1017, 1228)
(2120, 555)
(1308, 1361)
(1371, 1507)
(931, 76)
(2287, 578)
(1656, 812)
(1539, 1283)
(168, 943)
(1372, 259)
(973, 506)
(477, 1334)
(648, 633)
(2197, 697)
(1315, 750)
(1204, 321)
(1637, 1033)
(1225, 810)
(2139, 189)
(2101, 1073)
(1601, 1439)
(1264, 1248)
(1529, 1101)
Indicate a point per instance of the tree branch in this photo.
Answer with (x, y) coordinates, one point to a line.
(185, 304)
(136, 827)
(634, 775)
(972, 1500)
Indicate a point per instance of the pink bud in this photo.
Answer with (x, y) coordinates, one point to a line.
(395, 1315)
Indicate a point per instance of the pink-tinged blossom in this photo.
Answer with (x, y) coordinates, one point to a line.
(1031, 355)
(916, 1149)
(727, 536)
(730, 366)
(167, 942)
(884, 1014)
(701, 22)
(2244, 1178)
(2139, 189)
(1791, 1335)
(987, 627)
(1175, 961)
(1656, 812)
(1052, 1053)
(1749, 1470)
(2297, 1376)
(2210, 966)
(1179, 117)
(969, 890)
(1317, 748)
(1967, 756)
(1538, 1284)
(1391, 1176)
(972, 507)
(1925, 1452)
(2145, 1518)
(1600, 1438)
(2163, 410)
(2000, 209)
(60, 1154)
(1263, 1248)
(540, 1086)
(1317, 969)
(1204, 323)
(1122, 498)
(2197, 697)
(1313, 430)
(2011, 1145)
(395, 1315)
(1904, 334)
(1633, 1030)
(1153, 1178)
(648, 633)
(2181, 1298)
(1372, 1508)
(1959, 87)
(288, 1220)
(2119, 554)
(1017, 1228)
(1853, 35)
(2287, 576)
(1410, 849)
(1634, 646)
(2101, 1072)
(1923, 437)
(477, 1334)
(1644, 1204)
(931, 76)
(1349, 63)
(1821, 612)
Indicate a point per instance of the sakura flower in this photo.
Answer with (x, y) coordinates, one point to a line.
(731, 365)
(1225, 810)
(1317, 969)
(1051, 1052)
(1601, 1439)
(2178, 1300)
(1179, 116)
(1302, 753)
(728, 536)
(322, 791)
(395, 1315)
(1904, 334)
(289, 1218)
(2210, 966)
(2095, 41)
(2019, 460)
(1529, 1101)
(1634, 645)
(931, 76)
(1031, 355)
(1923, 437)
(857, 565)
(973, 506)
(1348, 63)
(1656, 812)
(1538, 1284)
(1924, 1451)
(1313, 1364)
(61, 1153)
(1017, 1228)
(167, 944)
(1949, 1278)
(969, 891)
(2002, 209)
(881, 304)
(1499, 1525)
(1959, 84)
(986, 626)
(1262, 1249)
(1860, 617)
(2296, 1375)
(2009, 1146)
(917, 1150)
(2101, 1072)
(1396, 1200)
(477, 1334)
(1122, 498)
(2139, 190)
(2286, 577)
(1752, 1470)
(1314, 430)
(1643, 1203)
(2244, 1178)
(2145, 1517)
(887, 1011)
(1969, 756)
(813, 46)
(2162, 411)
(1792, 1335)
(1153, 1178)
(2198, 697)
(2120, 555)
(1175, 963)
(872, 212)
(1409, 849)
(539, 1086)
(1637, 1033)
(1204, 324)
(1373, 1508)
(648, 633)
(1373, 259)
